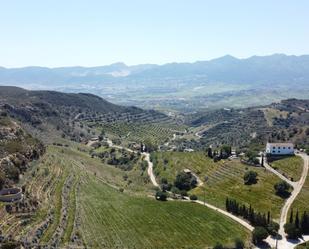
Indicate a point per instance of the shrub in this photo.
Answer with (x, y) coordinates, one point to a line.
(273, 228)
(161, 196)
(185, 181)
(239, 244)
(250, 177)
(259, 234)
(2, 180)
(218, 246)
(282, 188)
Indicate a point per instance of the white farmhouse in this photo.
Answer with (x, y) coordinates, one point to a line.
(280, 148)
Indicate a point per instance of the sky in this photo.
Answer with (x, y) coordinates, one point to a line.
(98, 32)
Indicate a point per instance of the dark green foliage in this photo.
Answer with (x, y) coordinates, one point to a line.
(282, 189)
(298, 225)
(218, 246)
(209, 152)
(258, 235)
(239, 243)
(2, 179)
(250, 177)
(248, 213)
(185, 181)
(193, 197)
(161, 196)
(292, 231)
(273, 228)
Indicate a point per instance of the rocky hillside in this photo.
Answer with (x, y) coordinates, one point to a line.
(17, 149)
(287, 120)
(48, 114)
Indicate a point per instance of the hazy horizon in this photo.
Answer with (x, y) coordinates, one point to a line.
(171, 62)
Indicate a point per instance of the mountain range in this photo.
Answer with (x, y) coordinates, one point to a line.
(158, 85)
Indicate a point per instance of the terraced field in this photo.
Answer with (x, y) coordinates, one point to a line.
(225, 179)
(156, 133)
(117, 220)
(291, 167)
(81, 204)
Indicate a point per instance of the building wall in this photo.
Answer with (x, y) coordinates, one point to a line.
(279, 149)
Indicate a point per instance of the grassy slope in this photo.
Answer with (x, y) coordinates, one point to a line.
(225, 179)
(301, 201)
(117, 220)
(291, 167)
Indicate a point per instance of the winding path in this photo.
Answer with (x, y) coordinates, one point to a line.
(283, 243)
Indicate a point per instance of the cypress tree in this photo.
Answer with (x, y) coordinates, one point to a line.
(297, 220)
(268, 217)
(291, 216)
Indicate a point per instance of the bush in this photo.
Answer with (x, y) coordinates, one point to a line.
(161, 196)
(185, 181)
(250, 177)
(282, 189)
(239, 244)
(218, 246)
(259, 234)
(2, 180)
(193, 197)
(273, 228)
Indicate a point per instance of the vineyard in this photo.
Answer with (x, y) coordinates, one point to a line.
(224, 179)
(112, 219)
(81, 205)
(291, 167)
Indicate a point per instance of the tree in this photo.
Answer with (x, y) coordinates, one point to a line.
(282, 189)
(161, 196)
(209, 152)
(273, 228)
(185, 181)
(297, 220)
(291, 230)
(239, 244)
(304, 223)
(259, 234)
(250, 177)
(291, 216)
(2, 180)
(218, 246)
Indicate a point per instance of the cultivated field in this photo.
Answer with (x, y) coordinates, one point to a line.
(111, 219)
(301, 201)
(225, 179)
(81, 204)
(291, 167)
(156, 133)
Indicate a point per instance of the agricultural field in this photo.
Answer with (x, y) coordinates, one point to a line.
(301, 201)
(272, 113)
(112, 219)
(224, 179)
(156, 133)
(291, 167)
